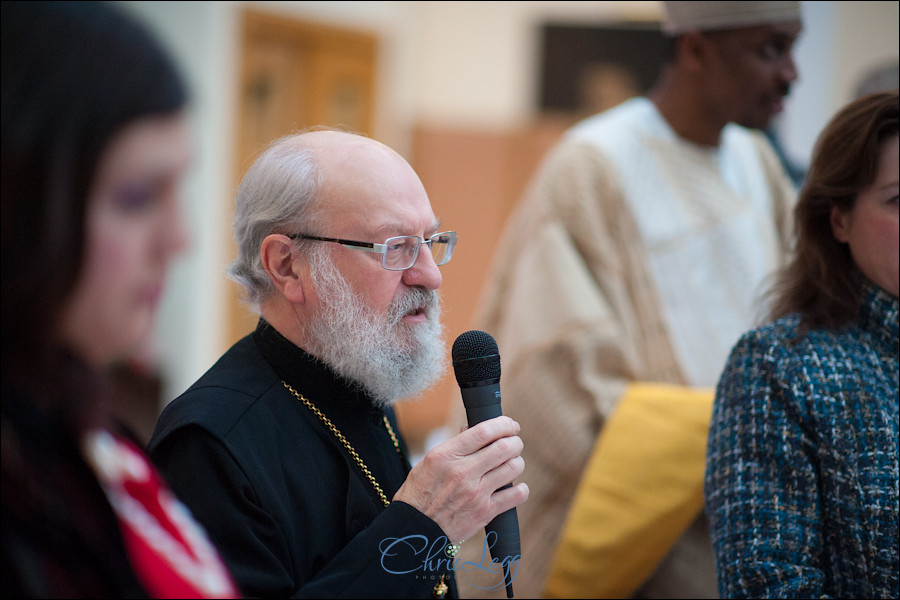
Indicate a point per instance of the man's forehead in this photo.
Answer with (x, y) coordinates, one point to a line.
(785, 31)
(379, 221)
(788, 29)
(378, 207)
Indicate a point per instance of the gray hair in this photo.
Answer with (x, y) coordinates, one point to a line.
(276, 196)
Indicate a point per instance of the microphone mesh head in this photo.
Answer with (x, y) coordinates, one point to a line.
(475, 344)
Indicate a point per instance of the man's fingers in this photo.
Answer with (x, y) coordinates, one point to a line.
(503, 500)
(503, 474)
(475, 438)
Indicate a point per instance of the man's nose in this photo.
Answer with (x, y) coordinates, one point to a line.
(424, 272)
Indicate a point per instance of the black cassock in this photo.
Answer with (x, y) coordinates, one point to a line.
(290, 510)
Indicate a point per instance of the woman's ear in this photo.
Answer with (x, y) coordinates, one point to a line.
(840, 224)
(283, 267)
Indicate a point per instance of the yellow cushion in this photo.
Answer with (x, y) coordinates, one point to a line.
(641, 489)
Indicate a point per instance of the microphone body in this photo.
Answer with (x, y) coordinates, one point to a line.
(476, 363)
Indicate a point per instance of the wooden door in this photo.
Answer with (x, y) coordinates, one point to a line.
(295, 74)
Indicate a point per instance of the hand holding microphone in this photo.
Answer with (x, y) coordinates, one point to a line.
(464, 483)
(476, 364)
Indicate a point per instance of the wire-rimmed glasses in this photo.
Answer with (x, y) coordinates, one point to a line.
(398, 253)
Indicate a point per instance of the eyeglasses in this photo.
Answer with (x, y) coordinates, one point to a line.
(398, 253)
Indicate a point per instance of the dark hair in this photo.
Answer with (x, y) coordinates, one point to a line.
(820, 283)
(73, 75)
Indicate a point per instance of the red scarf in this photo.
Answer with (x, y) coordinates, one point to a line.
(169, 550)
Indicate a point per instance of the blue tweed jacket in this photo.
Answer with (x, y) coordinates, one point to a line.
(802, 472)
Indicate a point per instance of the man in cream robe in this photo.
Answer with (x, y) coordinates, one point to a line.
(637, 257)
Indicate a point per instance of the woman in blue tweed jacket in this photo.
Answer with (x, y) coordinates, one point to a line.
(802, 470)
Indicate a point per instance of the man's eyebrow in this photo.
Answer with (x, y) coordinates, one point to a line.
(392, 229)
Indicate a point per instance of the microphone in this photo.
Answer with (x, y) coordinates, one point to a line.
(476, 364)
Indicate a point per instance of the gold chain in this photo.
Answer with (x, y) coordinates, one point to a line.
(340, 436)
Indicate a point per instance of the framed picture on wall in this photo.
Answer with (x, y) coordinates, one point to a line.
(585, 69)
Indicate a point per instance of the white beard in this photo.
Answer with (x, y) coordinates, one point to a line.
(389, 359)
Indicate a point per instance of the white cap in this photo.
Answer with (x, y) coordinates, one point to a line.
(703, 16)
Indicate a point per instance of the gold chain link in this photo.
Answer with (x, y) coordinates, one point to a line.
(340, 436)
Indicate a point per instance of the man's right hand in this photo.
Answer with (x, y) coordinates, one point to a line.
(457, 483)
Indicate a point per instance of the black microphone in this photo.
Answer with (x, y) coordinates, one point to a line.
(476, 363)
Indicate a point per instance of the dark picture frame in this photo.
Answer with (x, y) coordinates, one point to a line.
(585, 68)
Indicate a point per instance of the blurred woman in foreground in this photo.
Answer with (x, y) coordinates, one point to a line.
(94, 146)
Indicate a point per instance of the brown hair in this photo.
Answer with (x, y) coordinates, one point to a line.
(819, 282)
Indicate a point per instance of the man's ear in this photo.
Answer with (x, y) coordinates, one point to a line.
(694, 50)
(840, 224)
(281, 263)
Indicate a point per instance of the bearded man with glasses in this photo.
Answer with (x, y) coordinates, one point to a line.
(287, 450)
